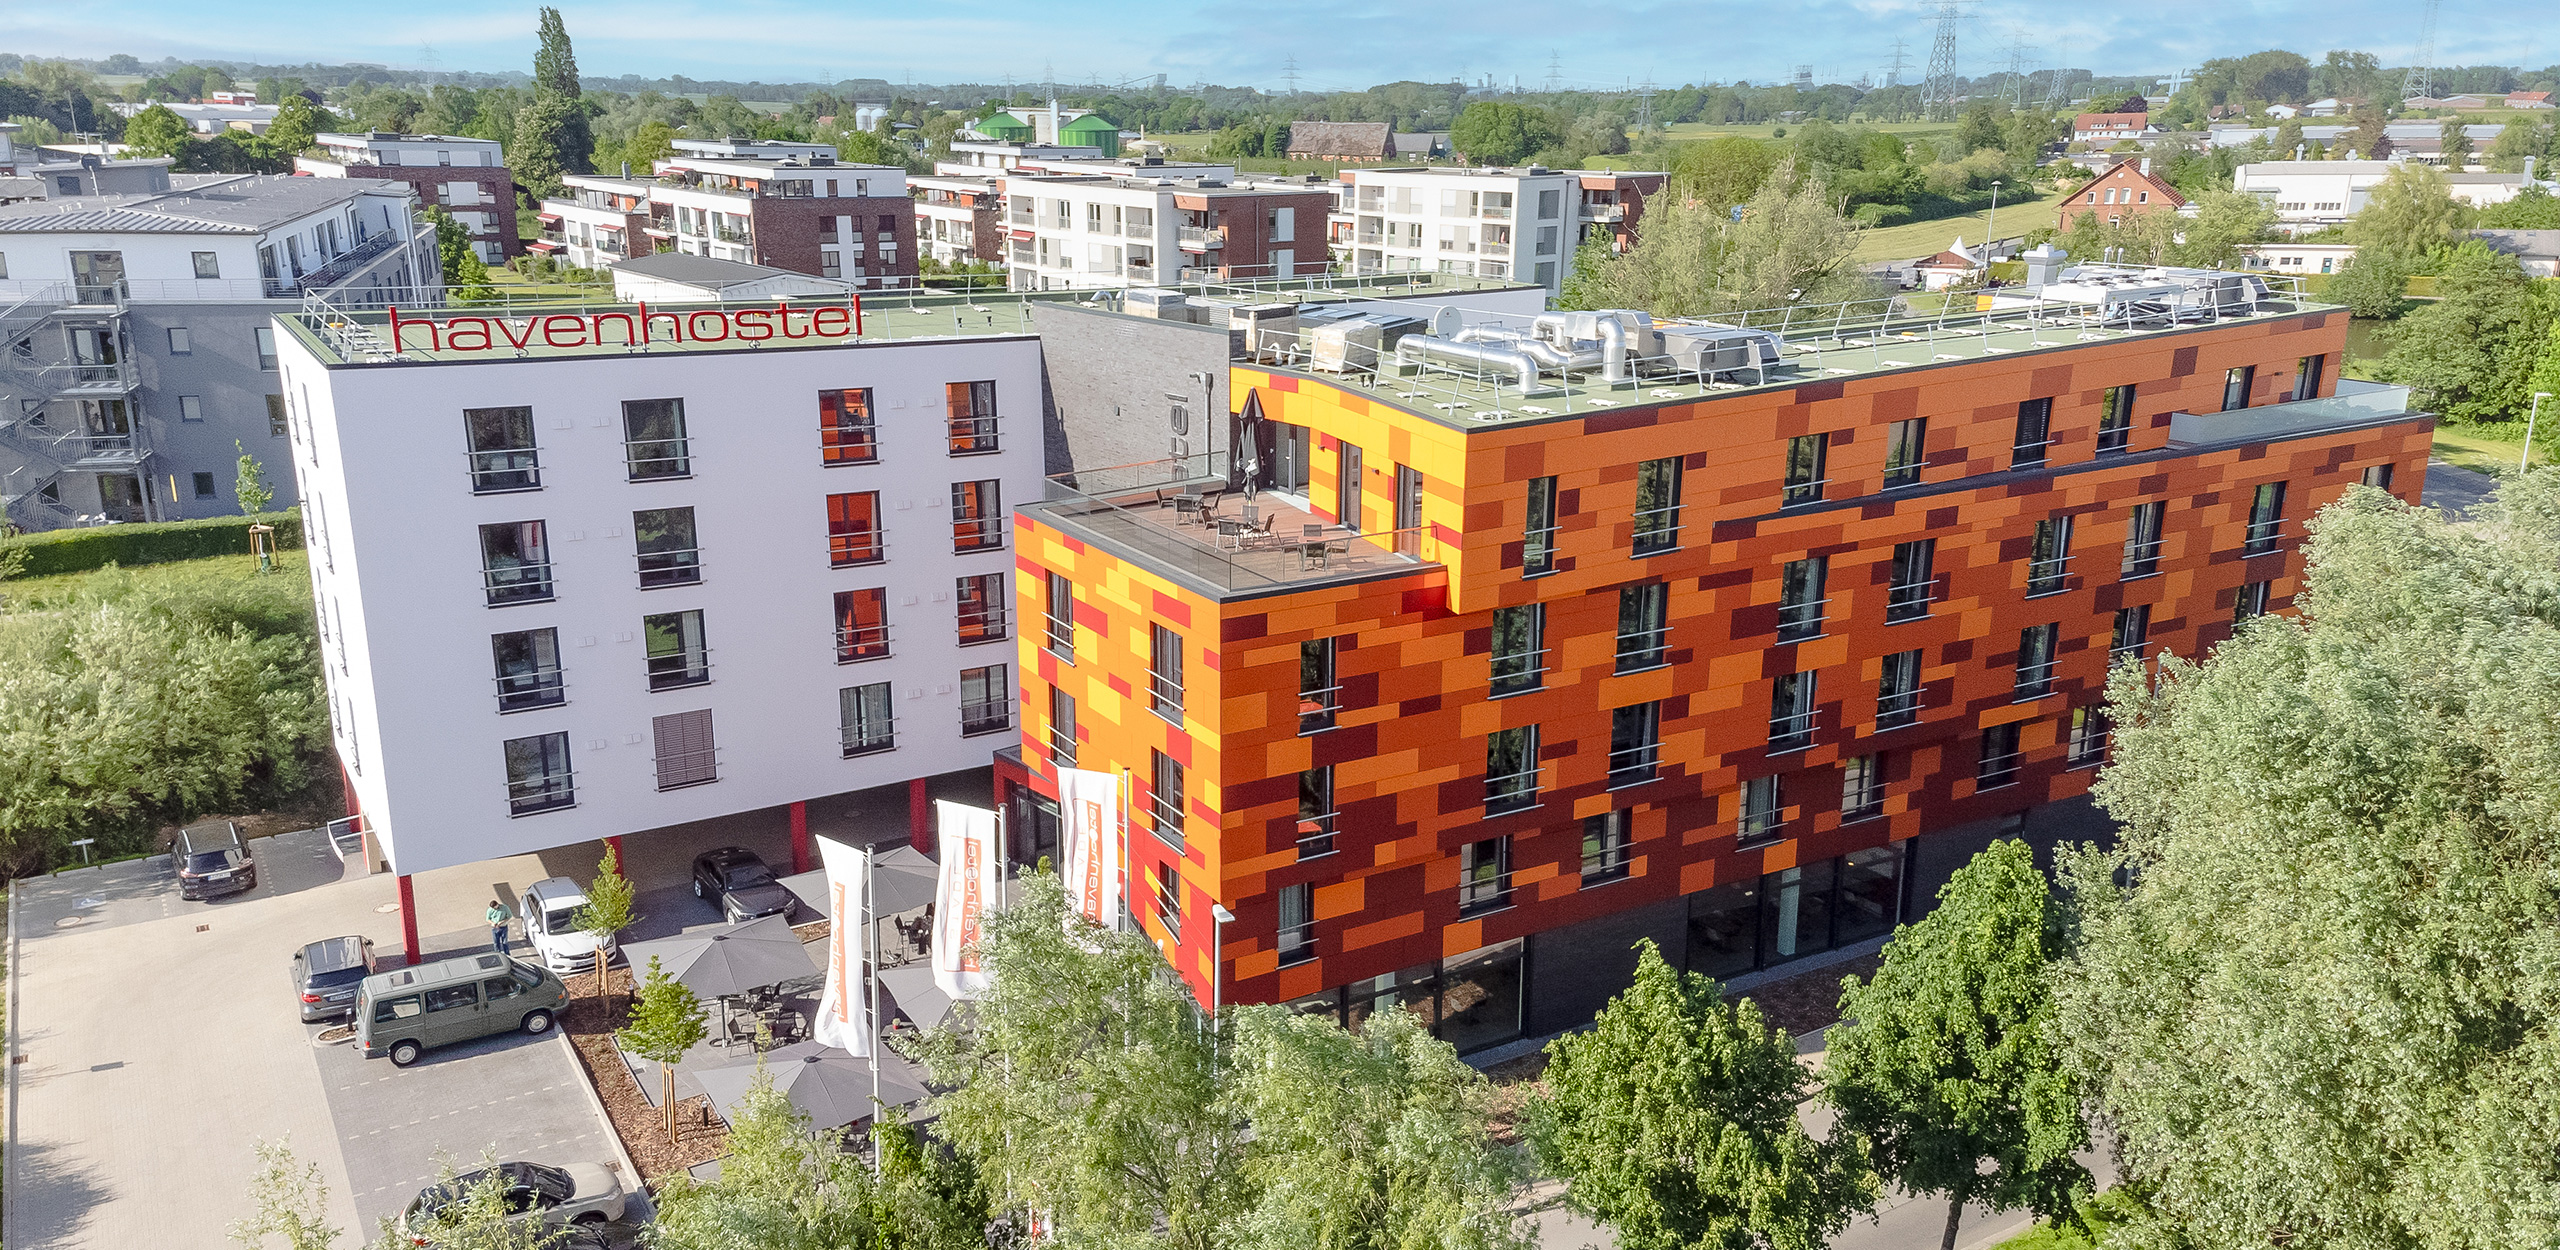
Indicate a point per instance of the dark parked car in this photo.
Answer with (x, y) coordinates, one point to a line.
(738, 880)
(536, 1194)
(212, 860)
(327, 974)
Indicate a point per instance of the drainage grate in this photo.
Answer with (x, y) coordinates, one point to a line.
(204, 928)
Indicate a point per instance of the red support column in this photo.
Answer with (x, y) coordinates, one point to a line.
(919, 817)
(800, 837)
(614, 844)
(409, 920)
(347, 786)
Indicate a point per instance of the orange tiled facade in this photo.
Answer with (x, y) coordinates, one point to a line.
(1413, 664)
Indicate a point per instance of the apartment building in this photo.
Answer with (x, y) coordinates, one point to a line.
(992, 157)
(1712, 658)
(1506, 224)
(144, 356)
(959, 219)
(211, 118)
(808, 214)
(466, 177)
(1072, 231)
(2309, 195)
(576, 592)
(598, 223)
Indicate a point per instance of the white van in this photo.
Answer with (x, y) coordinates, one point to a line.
(550, 910)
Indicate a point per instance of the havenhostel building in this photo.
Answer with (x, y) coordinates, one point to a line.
(1700, 658)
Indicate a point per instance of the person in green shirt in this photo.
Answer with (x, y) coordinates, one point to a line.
(498, 917)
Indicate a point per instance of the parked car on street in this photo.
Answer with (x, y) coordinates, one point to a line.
(737, 879)
(403, 1012)
(212, 859)
(328, 973)
(578, 1194)
(550, 910)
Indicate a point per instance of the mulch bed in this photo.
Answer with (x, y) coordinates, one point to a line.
(590, 1020)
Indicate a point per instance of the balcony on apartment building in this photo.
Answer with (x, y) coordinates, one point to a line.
(1599, 208)
(1177, 517)
(1196, 236)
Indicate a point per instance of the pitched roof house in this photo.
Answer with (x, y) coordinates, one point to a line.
(2126, 189)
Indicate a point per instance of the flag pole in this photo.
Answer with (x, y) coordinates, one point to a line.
(1120, 888)
(1003, 892)
(871, 968)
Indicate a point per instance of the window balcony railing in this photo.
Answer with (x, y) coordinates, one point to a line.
(1062, 747)
(855, 643)
(2048, 576)
(678, 769)
(1634, 765)
(1297, 943)
(670, 568)
(2142, 559)
(1657, 529)
(1496, 212)
(1644, 648)
(1511, 792)
(677, 669)
(517, 583)
(1199, 239)
(1997, 770)
(1798, 493)
(986, 717)
(2262, 537)
(1897, 708)
(2035, 681)
(548, 792)
(1792, 732)
(977, 533)
(1909, 601)
(1802, 620)
(1519, 671)
(649, 459)
(1317, 709)
(865, 545)
(987, 624)
(531, 688)
(869, 737)
(497, 472)
(1315, 835)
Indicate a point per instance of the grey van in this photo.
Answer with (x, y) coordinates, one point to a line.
(403, 1012)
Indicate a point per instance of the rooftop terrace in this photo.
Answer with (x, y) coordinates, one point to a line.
(1182, 519)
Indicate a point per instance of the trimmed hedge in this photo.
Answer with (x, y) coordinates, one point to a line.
(90, 547)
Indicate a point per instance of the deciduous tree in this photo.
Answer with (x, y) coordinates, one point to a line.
(2470, 352)
(288, 1204)
(667, 1020)
(158, 131)
(251, 484)
(608, 908)
(2411, 211)
(1498, 132)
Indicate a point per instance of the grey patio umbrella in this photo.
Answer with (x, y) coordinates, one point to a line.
(829, 1086)
(917, 996)
(902, 880)
(728, 961)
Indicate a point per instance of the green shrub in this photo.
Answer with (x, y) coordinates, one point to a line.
(93, 547)
(1880, 214)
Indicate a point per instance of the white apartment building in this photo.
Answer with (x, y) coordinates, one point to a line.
(1518, 225)
(210, 119)
(386, 148)
(969, 156)
(2308, 195)
(958, 218)
(754, 149)
(599, 223)
(1071, 232)
(467, 178)
(583, 592)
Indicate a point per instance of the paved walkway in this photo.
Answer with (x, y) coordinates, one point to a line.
(2455, 490)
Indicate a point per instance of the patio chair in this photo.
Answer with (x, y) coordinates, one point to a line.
(1186, 508)
(1231, 534)
(1313, 552)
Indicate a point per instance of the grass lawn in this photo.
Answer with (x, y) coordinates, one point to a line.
(2487, 448)
(1917, 239)
(287, 591)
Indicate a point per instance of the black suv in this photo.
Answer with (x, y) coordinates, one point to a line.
(213, 860)
(736, 879)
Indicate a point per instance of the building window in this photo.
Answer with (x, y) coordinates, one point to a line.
(1346, 487)
(502, 454)
(1297, 933)
(1915, 582)
(2266, 519)
(1519, 651)
(190, 408)
(538, 775)
(1319, 690)
(2252, 601)
(1898, 691)
(1657, 517)
(179, 342)
(1062, 728)
(2049, 558)
(515, 563)
(1164, 673)
(1484, 876)
(1644, 626)
(2378, 476)
(2035, 433)
(972, 416)
(2306, 377)
(977, 516)
(2115, 419)
(266, 336)
(1164, 800)
(2089, 729)
(2132, 633)
(1762, 816)
(1511, 770)
(1805, 456)
(2036, 645)
(862, 624)
(1316, 815)
(208, 264)
(986, 700)
(865, 722)
(1538, 538)
(653, 439)
(669, 553)
(980, 607)
(528, 664)
(853, 529)
(1801, 605)
(677, 654)
(2235, 387)
(1169, 900)
(1635, 744)
(686, 756)
(279, 422)
(1791, 711)
(1060, 624)
(846, 434)
(1906, 446)
(1998, 763)
(1605, 843)
(2142, 539)
(204, 486)
(1861, 787)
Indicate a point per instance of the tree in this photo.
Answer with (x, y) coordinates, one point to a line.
(251, 485)
(608, 909)
(2226, 223)
(482, 1218)
(2288, 142)
(1721, 172)
(1589, 284)
(2469, 353)
(653, 142)
(2411, 211)
(1791, 246)
(2374, 283)
(297, 125)
(1948, 1059)
(287, 1201)
(158, 131)
(540, 151)
(2307, 982)
(2532, 209)
(1498, 132)
(1980, 129)
(667, 1020)
(555, 77)
(1673, 1120)
(2368, 141)
(463, 270)
(2454, 140)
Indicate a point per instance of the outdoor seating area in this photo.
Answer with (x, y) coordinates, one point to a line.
(1229, 539)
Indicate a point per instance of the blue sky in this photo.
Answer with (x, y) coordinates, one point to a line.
(1337, 45)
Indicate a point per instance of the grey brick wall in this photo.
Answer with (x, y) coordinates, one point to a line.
(1109, 378)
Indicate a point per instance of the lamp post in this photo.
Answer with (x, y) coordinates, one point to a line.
(2536, 411)
(1217, 974)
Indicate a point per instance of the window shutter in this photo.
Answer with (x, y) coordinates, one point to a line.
(685, 753)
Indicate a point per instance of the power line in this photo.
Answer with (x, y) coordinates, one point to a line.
(1644, 107)
(2056, 95)
(2018, 51)
(1555, 71)
(2421, 80)
(1893, 75)
(1290, 72)
(1940, 94)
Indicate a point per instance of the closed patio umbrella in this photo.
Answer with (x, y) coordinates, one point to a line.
(829, 1086)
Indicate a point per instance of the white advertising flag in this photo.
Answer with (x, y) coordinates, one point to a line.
(844, 1008)
(1096, 825)
(966, 892)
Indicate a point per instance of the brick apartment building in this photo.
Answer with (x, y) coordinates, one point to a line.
(958, 218)
(466, 177)
(807, 214)
(1701, 664)
(1095, 230)
(2126, 190)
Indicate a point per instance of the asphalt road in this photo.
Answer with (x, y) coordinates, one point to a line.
(2456, 491)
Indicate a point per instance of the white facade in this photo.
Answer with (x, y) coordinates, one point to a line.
(199, 244)
(210, 119)
(379, 148)
(2320, 193)
(409, 637)
(2300, 258)
(1518, 225)
(1090, 232)
(947, 210)
(594, 222)
(989, 157)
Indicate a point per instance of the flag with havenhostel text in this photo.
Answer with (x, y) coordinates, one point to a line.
(965, 893)
(1096, 825)
(844, 1007)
